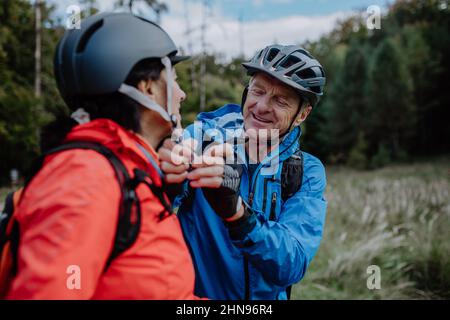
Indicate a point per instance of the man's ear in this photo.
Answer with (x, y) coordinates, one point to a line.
(304, 113)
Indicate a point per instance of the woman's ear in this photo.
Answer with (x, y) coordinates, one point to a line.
(147, 87)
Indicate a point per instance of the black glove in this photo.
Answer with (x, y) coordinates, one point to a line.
(173, 190)
(224, 200)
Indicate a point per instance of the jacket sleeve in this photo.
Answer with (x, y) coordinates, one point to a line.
(282, 250)
(67, 219)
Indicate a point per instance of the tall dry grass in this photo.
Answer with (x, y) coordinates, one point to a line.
(397, 218)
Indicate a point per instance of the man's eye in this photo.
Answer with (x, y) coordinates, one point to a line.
(257, 92)
(282, 102)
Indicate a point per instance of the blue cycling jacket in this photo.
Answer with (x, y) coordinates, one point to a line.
(273, 255)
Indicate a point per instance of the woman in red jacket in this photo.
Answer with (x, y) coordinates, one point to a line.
(116, 72)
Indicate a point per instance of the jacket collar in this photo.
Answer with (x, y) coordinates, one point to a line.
(116, 138)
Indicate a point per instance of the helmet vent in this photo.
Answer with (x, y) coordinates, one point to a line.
(88, 34)
(259, 54)
(305, 74)
(315, 89)
(306, 53)
(290, 61)
(272, 54)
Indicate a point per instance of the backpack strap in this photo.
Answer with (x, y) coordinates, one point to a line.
(7, 227)
(6, 220)
(9, 241)
(141, 176)
(291, 183)
(129, 220)
(292, 175)
(5, 217)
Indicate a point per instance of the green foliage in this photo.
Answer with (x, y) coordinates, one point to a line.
(349, 114)
(21, 114)
(223, 84)
(381, 158)
(392, 111)
(388, 86)
(357, 157)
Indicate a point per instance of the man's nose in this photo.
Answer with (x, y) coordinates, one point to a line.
(263, 105)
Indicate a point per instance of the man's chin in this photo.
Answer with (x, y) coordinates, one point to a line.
(258, 125)
(261, 132)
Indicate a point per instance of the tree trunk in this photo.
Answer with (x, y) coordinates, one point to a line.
(37, 51)
(203, 59)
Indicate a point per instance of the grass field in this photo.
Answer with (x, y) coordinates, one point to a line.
(397, 218)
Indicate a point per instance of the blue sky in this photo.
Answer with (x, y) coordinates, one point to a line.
(282, 21)
(271, 9)
(257, 10)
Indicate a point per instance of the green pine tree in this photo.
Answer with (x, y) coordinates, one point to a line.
(392, 111)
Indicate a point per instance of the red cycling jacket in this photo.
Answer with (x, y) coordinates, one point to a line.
(68, 217)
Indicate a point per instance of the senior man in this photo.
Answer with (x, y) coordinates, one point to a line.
(254, 225)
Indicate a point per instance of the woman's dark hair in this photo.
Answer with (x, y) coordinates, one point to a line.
(115, 106)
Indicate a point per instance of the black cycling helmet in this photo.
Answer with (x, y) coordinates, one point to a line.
(292, 65)
(97, 58)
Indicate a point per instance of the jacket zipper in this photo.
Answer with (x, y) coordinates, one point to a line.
(266, 180)
(273, 205)
(251, 185)
(246, 271)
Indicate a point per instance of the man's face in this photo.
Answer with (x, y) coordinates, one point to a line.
(270, 104)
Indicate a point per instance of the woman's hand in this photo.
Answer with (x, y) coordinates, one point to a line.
(175, 159)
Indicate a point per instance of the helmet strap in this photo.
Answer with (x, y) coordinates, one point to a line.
(148, 103)
(169, 83)
(301, 106)
(144, 100)
(244, 98)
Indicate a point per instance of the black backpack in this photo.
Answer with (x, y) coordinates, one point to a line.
(129, 220)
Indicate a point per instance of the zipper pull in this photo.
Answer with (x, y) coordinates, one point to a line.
(273, 205)
(250, 199)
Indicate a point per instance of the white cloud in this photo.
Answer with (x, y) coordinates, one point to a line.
(222, 34)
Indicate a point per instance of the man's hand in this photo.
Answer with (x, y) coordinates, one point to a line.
(208, 168)
(220, 182)
(225, 200)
